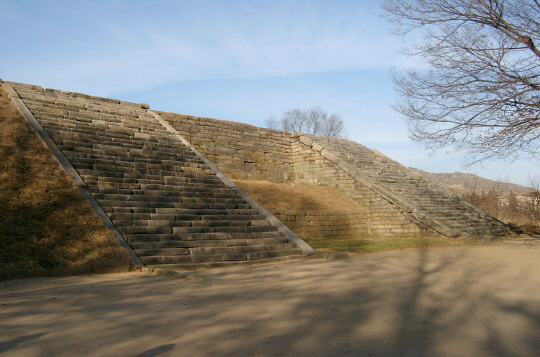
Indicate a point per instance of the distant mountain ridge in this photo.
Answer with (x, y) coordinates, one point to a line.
(459, 182)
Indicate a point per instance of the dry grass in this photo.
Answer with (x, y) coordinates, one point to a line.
(45, 222)
(287, 197)
(370, 244)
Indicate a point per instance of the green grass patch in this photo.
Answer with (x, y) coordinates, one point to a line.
(368, 244)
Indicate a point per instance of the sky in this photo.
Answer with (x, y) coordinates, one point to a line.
(233, 60)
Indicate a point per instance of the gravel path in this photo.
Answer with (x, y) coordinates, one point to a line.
(457, 301)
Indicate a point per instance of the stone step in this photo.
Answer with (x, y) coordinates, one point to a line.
(126, 190)
(80, 134)
(74, 151)
(78, 125)
(224, 264)
(167, 172)
(97, 114)
(134, 189)
(213, 250)
(118, 171)
(95, 121)
(139, 192)
(151, 206)
(192, 179)
(72, 106)
(140, 231)
(148, 192)
(147, 185)
(181, 211)
(196, 222)
(118, 150)
(115, 127)
(232, 240)
(144, 155)
(178, 165)
(90, 130)
(161, 144)
(221, 239)
(124, 141)
(173, 201)
(212, 258)
(169, 181)
(183, 217)
(115, 150)
(105, 172)
(128, 161)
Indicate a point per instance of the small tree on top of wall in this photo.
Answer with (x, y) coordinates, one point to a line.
(311, 121)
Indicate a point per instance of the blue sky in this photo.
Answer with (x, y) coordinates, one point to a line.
(232, 60)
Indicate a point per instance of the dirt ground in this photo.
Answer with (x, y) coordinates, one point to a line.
(457, 301)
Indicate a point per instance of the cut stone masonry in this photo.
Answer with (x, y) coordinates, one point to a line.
(421, 203)
(161, 182)
(172, 207)
(324, 224)
(398, 200)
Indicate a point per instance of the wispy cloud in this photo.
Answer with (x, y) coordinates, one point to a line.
(237, 60)
(115, 46)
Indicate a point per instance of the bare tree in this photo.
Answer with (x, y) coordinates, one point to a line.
(272, 122)
(312, 121)
(532, 202)
(481, 90)
(295, 120)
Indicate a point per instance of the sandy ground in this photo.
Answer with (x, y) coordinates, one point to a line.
(455, 301)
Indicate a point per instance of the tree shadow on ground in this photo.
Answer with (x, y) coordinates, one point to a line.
(419, 302)
(13, 343)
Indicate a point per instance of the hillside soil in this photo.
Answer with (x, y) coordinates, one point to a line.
(282, 196)
(45, 221)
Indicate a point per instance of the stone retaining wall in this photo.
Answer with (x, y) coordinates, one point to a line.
(323, 223)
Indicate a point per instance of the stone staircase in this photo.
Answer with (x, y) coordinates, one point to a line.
(436, 207)
(169, 204)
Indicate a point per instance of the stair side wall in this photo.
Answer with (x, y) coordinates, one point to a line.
(383, 218)
(319, 224)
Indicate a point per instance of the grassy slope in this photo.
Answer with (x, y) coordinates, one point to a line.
(45, 222)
